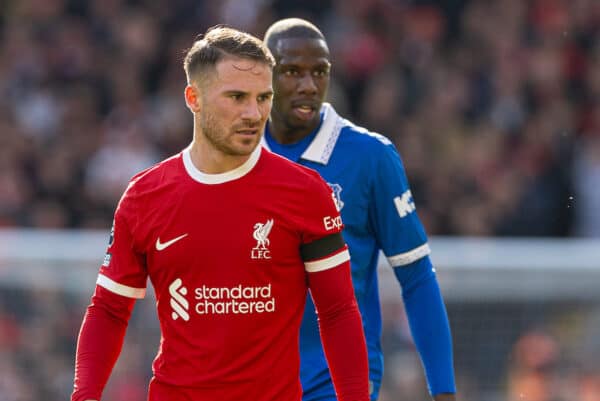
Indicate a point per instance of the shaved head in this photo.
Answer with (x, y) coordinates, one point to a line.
(291, 28)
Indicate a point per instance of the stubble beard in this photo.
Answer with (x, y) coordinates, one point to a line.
(217, 136)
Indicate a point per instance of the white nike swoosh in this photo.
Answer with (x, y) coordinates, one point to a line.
(160, 246)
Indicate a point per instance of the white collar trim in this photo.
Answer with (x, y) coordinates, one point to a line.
(220, 178)
(321, 147)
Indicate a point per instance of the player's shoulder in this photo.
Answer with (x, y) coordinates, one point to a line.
(362, 137)
(288, 169)
(281, 166)
(155, 175)
(355, 138)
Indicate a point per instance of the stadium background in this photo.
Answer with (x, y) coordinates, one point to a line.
(494, 106)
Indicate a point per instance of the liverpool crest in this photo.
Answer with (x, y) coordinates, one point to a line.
(261, 235)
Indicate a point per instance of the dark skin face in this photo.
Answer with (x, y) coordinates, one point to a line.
(300, 82)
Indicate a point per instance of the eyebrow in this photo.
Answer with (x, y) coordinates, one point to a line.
(319, 64)
(269, 93)
(241, 92)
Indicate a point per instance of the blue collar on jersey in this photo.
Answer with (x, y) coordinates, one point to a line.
(316, 147)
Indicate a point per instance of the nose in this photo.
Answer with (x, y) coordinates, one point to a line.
(252, 111)
(306, 84)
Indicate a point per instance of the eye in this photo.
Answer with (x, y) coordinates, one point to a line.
(236, 96)
(290, 72)
(320, 73)
(263, 98)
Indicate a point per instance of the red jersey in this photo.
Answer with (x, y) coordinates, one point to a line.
(228, 256)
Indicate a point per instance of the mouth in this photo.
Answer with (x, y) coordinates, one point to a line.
(304, 111)
(247, 131)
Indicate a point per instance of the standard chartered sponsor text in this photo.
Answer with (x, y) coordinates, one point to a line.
(236, 300)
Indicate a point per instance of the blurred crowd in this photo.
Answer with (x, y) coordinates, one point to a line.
(37, 347)
(526, 351)
(494, 105)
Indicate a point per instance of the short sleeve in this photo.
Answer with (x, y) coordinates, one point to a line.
(323, 246)
(123, 270)
(393, 213)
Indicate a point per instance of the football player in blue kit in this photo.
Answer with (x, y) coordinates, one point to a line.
(369, 183)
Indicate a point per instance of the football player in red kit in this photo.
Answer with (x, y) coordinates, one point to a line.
(231, 237)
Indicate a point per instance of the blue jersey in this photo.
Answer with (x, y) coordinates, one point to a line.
(368, 180)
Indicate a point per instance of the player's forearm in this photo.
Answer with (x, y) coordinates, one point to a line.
(99, 343)
(341, 332)
(431, 333)
(344, 346)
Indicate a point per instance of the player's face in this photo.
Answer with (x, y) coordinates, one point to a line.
(235, 105)
(300, 81)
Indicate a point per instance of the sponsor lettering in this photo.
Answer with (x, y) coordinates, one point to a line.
(332, 223)
(234, 300)
(237, 300)
(404, 204)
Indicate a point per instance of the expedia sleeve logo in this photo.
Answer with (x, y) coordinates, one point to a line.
(332, 223)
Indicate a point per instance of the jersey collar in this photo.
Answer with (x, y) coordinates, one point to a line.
(221, 178)
(321, 147)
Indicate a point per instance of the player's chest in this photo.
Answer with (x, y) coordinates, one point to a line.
(214, 233)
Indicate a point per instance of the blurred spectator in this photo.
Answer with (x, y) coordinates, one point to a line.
(588, 382)
(587, 187)
(494, 105)
(532, 374)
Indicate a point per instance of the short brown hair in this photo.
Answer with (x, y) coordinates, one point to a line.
(219, 42)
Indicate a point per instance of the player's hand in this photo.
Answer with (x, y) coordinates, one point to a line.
(444, 397)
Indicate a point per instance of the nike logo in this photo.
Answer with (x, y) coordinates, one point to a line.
(163, 245)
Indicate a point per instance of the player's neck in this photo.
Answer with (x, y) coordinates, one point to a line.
(285, 135)
(209, 160)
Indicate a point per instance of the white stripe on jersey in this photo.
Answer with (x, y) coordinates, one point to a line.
(406, 258)
(327, 263)
(124, 290)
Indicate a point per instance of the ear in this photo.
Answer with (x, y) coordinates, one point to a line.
(193, 98)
